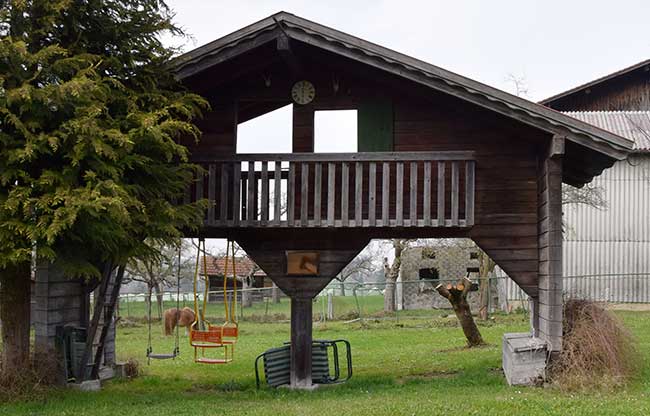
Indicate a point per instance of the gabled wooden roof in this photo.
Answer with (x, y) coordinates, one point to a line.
(284, 24)
(244, 267)
(640, 66)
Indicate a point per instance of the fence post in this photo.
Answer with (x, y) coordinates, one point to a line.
(330, 306)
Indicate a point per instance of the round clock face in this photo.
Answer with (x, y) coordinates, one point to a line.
(303, 92)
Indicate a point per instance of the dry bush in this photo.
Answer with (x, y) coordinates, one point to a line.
(30, 383)
(598, 351)
(131, 368)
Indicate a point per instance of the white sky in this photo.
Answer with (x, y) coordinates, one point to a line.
(553, 44)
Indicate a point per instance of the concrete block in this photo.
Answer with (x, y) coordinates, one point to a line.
(88, 385)
(106, 373)
(524, 359)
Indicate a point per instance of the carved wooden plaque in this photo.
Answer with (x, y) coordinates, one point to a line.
(302, 263)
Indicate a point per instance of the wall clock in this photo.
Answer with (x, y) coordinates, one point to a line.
(303, 92)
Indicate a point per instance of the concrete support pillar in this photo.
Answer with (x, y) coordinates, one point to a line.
(301, 340)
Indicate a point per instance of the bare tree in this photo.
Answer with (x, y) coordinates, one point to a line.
(157, 272)
(457, 296)
(589, 194)
(519, 84)
(364, 263)
(391, 272)
(485, 270)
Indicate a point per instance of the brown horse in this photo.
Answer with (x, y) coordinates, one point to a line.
(183, 317)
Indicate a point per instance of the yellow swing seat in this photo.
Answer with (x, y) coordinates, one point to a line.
(214, 336)
(205, 335)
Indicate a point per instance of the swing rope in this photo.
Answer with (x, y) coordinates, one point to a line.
(176, 351)
(230, 301)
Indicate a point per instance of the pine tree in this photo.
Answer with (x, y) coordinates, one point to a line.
(90, 160)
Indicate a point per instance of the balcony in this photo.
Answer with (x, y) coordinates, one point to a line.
(315, 190)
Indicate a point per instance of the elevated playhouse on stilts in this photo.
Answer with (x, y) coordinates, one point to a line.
(439, 155)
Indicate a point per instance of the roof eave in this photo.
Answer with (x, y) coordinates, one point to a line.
(407, 67)
(592, 83)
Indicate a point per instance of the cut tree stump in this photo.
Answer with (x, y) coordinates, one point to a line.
(457, 296)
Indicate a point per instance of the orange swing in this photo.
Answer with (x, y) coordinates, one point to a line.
(204, 335)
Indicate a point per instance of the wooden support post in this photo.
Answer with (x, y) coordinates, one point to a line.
(549, 313)
(301, 339)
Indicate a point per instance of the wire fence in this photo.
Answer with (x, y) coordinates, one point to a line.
(356, 300)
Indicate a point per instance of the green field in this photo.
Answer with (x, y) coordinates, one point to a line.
(344, 307)
(416, 365)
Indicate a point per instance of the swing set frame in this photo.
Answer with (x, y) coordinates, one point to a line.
(203, 335)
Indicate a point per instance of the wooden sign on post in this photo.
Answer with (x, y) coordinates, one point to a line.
(302, 263)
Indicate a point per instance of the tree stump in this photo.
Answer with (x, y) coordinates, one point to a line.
(457, 296)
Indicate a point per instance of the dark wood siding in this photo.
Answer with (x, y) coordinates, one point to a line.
(422, 120)
(626, 92)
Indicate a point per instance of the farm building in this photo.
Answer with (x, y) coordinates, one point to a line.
(610, 245)
(248, 275)
(438, 156)
(423, 268)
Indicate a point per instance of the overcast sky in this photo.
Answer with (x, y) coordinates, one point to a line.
(552, 44)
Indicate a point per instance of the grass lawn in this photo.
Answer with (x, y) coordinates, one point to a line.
(415, 366)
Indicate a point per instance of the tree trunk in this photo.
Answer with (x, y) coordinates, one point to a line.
(457, 296)
(486, 266)
(330, 307)
(159, 299)
(484, 293)
(275, 294)
(342, 288)
(389, 297)
(15, 287)
(391, 272)
(246, 294)
(147, 303)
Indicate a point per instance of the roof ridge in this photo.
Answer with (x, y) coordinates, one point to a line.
(607, 112)
(596, 81)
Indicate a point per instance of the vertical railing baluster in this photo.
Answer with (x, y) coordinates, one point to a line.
(318, 183)
(372, 189)
(385, 195)
(469, 193)
(277, 193)
(441, 195)
(265, 193)
(223, 203)
(399, 194)
(212, 184)
(187, 197)
(236, 202)
(331, 193)
(198, 191)
(358, 194)
(413, 200)
(304, 195)
(426, 206)
(291, 194)
(251, 215)
(345, 193)
(455, 176)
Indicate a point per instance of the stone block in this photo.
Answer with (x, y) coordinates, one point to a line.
(88, 385)
(524, 359)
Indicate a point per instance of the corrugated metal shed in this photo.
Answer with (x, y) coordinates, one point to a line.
(606, 252)
(634, 125)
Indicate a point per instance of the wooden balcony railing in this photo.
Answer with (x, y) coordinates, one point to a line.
(406, 189)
